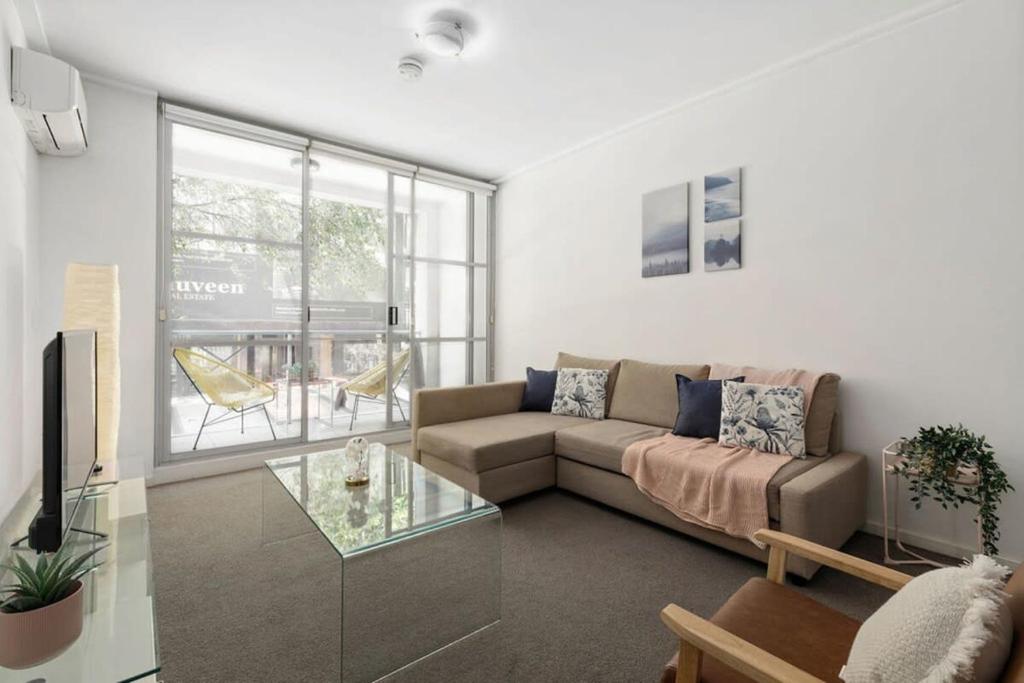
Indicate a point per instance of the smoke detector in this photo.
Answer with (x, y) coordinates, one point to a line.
(443, 38)
(410, 68)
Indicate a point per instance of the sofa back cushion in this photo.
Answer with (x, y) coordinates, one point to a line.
(646, 392)
(568, 360)
(820, 412)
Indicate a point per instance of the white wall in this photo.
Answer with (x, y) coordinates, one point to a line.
(882, 238)
(21, 369)
(101, 208)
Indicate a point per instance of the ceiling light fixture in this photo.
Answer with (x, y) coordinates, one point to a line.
(410, 68)
(443, 38)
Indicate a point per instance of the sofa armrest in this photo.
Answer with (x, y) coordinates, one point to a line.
(825, 505)
(454, 404)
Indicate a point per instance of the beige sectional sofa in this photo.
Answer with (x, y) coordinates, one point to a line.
(476, 437)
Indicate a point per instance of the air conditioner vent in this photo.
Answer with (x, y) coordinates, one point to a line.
(50, 101)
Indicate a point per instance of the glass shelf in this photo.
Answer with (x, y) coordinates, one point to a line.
(119, 639)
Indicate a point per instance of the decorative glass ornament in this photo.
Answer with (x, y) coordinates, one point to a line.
(357, 465)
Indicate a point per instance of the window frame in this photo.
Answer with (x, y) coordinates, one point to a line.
(171, 113)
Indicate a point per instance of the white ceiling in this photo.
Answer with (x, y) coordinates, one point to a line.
(537, 76)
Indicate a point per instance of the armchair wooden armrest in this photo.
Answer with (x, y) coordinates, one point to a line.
(780, 544)
(698, 636)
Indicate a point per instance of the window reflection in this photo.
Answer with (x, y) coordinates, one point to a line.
(402, 498)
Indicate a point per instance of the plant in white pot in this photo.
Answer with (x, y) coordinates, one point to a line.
(41, 612)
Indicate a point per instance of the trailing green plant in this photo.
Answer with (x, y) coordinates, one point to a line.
(930, 466)
(50, 580)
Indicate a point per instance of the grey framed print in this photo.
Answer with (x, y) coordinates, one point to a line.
(666, 231)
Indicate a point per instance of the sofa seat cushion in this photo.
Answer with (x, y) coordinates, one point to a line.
(488, 442)
(785, 623)
(601, 444)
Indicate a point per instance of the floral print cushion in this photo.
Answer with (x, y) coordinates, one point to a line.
(763, 417)
(580, 393)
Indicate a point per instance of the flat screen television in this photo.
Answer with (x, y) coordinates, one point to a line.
(69, 434)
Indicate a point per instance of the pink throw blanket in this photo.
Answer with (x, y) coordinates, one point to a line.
(724, 488)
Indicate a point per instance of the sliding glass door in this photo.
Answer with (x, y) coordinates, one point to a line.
(357, 363)
(233, 319)
(308, 290)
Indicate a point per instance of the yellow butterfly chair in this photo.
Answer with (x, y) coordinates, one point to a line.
(372, 384)
(225, 386)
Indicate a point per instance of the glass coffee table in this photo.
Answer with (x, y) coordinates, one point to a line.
(402, 566)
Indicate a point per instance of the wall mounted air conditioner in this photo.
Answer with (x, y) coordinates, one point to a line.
(47, 94)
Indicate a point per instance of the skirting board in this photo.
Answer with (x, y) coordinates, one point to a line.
(198, 468)
(935, 545)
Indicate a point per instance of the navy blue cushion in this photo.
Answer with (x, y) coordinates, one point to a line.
(540, 390)
(700, 407)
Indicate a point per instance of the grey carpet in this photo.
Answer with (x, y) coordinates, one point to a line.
(582, 588)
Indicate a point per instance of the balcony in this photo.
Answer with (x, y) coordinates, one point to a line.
(206, 398)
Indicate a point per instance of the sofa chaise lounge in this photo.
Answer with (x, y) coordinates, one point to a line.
(477, 437)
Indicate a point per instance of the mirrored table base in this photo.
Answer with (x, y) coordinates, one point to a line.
(388, 605)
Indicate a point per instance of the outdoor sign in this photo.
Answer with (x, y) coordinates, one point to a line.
(221, 286)
(225, 287)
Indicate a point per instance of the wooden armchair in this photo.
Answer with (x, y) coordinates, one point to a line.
(769, 633)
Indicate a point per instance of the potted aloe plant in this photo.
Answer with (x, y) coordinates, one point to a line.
(932, 463)
(41, 612)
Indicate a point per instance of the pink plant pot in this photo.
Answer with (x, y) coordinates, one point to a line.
(31, 638)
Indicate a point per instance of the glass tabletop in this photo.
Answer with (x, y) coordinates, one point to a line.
(402, 499)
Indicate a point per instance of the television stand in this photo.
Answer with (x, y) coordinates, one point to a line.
(93, 489)
(118, 641)
(97, 534)
(19, 544)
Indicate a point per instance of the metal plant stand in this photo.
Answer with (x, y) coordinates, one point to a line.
(891, 456)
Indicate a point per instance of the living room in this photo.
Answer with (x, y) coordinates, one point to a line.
(512, 341)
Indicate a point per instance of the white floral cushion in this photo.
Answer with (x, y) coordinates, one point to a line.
(764, 417)
(580, 393)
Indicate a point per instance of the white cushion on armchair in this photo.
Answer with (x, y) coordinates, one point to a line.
(949, 625)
